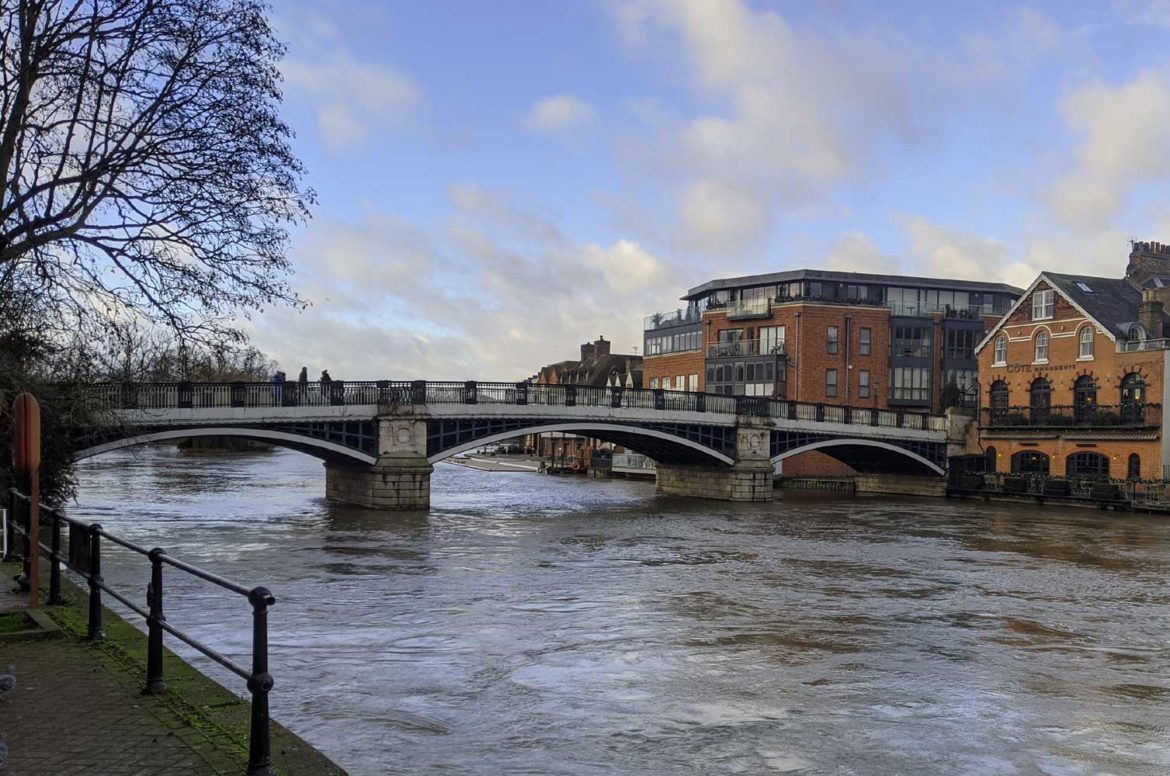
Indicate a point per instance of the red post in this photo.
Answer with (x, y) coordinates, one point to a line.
(26, 457)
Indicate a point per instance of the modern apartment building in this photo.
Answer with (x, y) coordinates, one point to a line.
(833, 337)
(1074, 376)
(850, 338)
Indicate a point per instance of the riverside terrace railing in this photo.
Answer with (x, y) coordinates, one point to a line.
(1078, 416)
(113, 396)
(1134, 492)
(85, 558)
(746, 347)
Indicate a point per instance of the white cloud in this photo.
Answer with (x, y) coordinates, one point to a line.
(1125, 133)
(856, 252)
(1155, 13)
(493, 294)
(561, 113)
(352, 98)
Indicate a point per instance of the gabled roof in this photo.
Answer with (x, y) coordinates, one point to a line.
(1108, 302)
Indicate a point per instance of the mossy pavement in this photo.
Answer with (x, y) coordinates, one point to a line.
(78, 706)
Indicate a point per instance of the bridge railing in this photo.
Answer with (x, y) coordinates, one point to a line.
(82, 554)
(146, 396)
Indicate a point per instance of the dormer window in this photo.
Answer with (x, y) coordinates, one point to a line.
(1043, 304)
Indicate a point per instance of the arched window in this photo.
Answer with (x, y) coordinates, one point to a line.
(1041, 346)
(1083, 464)
(1133, 398)
(1084, 398)
(1029, 462)
(1000, 349)
(989, 457)
(1040, 400)
(1134, 469)
(998, 396)
(1086, 342)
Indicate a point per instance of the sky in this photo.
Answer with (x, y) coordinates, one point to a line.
(500, 182)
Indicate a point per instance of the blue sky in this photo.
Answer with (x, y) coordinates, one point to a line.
(502, 181)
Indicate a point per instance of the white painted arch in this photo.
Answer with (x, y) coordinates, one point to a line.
(297, 442)
(859, 443)
(580, 428)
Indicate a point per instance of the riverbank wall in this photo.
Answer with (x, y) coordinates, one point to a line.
(197, 718)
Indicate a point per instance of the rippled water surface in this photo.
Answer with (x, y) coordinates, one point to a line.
(536, 625)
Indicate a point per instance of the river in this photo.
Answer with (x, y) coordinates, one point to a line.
(531, 624)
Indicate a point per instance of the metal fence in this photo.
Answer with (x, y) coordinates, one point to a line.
(145, 396)
(1099, 415)
(84, 557)
(1100, 490)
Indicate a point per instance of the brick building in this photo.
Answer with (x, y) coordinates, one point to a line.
(1074, 375)
(597, 367)
(849, 338)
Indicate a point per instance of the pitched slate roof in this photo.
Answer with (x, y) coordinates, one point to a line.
(1111, 302)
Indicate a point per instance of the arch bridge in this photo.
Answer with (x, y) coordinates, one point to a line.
(381, 439)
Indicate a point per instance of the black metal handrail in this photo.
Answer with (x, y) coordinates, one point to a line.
(1080, 415)
(147, 396)
(85, 559)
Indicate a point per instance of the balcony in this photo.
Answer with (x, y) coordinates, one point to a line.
(671, 319)
(975, 312)
(743, 309)
(750, 347)
(1135, 346)
(1084, 416)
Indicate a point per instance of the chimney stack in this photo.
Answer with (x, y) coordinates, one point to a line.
(587, 352)
(601, 346)
(1150, 314)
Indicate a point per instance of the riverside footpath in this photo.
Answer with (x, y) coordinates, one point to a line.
(78, 706)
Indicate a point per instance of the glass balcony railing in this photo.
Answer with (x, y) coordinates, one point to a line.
(752, 347)
(671, 319)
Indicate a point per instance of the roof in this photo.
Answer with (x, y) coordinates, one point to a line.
(906, 281)
(1112, 303)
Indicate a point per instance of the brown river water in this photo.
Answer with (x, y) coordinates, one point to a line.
(531, 624)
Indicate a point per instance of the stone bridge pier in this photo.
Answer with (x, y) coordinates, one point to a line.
(748, 479)
(401, 477)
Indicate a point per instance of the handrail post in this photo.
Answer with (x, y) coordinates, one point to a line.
(154, 639)
(10, 528)
(95, 579)
(260, 683)
(55, 562)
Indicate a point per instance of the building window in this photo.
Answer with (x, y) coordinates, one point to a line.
(1029, 462)
(693, 383)
(1001, 350)
(831, 383)
(653, 382)
(771, 340)
(1041, 347)
(1086, 342)
(960, 343)
(865, 341)
(1040, 400)
(863, 384)
(680, 382)
(990, 462)
(832, 343)
(1043, 304)
(999, 395)
(1133, 398)
(1134, 468)
(909, 384)
(911, 342)
(1084, 397)
(1084, 464)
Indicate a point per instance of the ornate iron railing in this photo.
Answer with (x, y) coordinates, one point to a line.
(84, 557)
(1079, 416)
(144, 396)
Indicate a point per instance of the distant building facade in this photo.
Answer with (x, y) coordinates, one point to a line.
(1074, 375)
(597, 367)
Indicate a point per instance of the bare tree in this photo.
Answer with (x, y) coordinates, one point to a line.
(146, 169)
